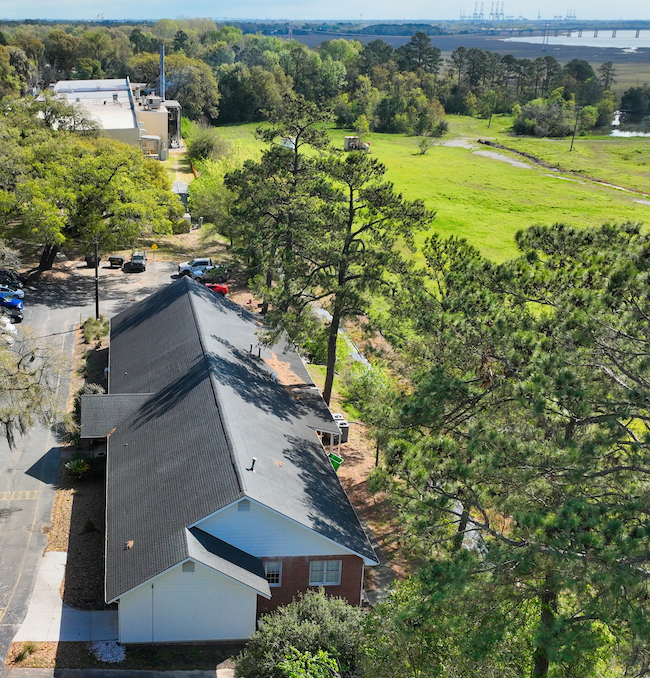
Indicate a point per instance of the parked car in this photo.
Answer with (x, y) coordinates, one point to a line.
(11, 303)
(10, 273)
(8, 291)
(218, 288)
(91, 262)
(14, 314)
(11, 284)
(10, 278)
(186, 267)
(116, 261)
(138, 262)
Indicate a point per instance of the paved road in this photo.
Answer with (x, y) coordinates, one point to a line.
(28, 473)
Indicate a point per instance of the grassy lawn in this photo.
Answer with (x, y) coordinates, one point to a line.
(242, 138)
(486, 200)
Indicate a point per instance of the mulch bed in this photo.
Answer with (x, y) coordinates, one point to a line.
(153, 658)
(78, 513)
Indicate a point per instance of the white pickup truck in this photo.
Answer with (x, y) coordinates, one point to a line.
(187, 267)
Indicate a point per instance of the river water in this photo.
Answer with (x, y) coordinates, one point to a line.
(625, 125)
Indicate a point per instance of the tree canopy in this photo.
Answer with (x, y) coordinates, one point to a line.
(29, 372)
(323, 227)
(58, 187)
(522, 460)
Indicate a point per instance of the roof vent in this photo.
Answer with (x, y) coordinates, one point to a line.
(244, 505)
(188, 566)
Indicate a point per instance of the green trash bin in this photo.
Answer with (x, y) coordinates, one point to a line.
(336, 461)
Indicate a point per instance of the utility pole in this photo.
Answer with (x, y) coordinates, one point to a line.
(575, 127)
(96, 241)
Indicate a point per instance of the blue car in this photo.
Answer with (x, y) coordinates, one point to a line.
(11, 303)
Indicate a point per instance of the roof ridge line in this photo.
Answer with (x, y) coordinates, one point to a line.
(226, 429)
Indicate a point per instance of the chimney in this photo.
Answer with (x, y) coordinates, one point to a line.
(162, 72)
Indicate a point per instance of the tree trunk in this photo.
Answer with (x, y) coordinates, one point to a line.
(47, 257)
(269, 280)
(548, 600)
(331, 353)
(462, 526)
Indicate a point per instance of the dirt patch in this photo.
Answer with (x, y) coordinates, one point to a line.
(460, 143)
(503, 158)
(375, 509)
(154, 658)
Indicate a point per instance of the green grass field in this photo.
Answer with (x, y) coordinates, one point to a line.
(487, 200)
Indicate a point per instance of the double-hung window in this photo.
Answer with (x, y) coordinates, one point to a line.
(325, 573)
(273, 571)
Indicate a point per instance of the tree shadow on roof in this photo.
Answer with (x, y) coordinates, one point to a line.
(171, 395)
(326, 504)
(141, 312)
(252, 381)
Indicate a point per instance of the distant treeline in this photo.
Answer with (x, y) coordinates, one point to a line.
(223, 73)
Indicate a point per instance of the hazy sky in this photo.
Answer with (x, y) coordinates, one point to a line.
(314, 9)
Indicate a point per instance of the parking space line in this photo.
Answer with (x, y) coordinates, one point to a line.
(20, 495)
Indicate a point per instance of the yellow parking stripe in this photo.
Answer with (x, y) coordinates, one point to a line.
(21, 495)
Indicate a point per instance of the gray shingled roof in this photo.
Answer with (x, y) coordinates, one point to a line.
(183, 454)
(230, 561)
(101, 413)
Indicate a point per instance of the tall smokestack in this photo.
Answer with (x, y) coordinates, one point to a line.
(162, 72)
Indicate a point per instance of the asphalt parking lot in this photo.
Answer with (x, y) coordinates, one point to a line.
(28, 473)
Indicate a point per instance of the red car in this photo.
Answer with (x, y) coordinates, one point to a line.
(219, 288)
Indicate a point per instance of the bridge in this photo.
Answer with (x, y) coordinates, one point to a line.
(570, 32)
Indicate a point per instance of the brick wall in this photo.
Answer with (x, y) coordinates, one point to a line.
(295, 579)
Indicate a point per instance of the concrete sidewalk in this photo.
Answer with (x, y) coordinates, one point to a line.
(49, 619)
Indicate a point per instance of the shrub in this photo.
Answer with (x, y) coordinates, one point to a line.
(181, 226)
(70, 430)
(306, 665)
(78, 467)
(86, 389)
(206, 143)
(94, 329)
(28, 648)
(312, 622)
(544, 118)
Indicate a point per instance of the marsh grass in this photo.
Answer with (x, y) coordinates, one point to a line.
(487, 201)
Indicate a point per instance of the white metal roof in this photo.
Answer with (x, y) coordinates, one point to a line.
(98, 98)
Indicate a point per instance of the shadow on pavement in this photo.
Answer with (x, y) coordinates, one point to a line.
(47, 467)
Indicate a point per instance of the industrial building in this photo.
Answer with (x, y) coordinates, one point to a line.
(126, 114)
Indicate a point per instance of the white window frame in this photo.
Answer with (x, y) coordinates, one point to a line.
(320, 578)
(266, 572)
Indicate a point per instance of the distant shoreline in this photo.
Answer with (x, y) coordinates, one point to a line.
(518, 47)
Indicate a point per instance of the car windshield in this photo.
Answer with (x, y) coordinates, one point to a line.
(137, 257)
